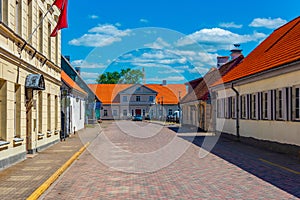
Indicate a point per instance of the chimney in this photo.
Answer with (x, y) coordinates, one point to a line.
(221, 60)
(164, 82)
(236, 52)
(78, 70)
(68, 58)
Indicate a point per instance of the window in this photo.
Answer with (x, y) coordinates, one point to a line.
(105, 113)
(125, 99)
(151, 98)
(253, 106)
(297, 103)
(243, 107)
(144, 112)
(80, 109)
(115, 113)
(265, 105)
(3, 110)
(40, 33)
(29, 20)
(233, 107)
(279, 104)
(219, 108)
(56, 112)
(138, 98)
(124, 112)
(132, 112)
(49, 41)
(5, 11)
(18, 17)
(40, 111)
(49, 112)
(17, 110)
(170, 111)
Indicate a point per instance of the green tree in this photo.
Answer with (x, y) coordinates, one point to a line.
(126, 76)
(131, 76)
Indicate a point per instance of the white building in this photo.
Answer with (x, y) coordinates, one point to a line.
(73, 106)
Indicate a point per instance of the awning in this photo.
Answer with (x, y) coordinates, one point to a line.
(35, 82)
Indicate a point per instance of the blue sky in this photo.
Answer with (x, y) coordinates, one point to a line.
(173, 40)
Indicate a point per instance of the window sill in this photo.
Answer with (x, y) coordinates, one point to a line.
(40, 136)
(17, 141)
(3, 143)
(49, 133)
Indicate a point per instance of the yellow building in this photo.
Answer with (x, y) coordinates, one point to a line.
(258, 101)
(30, 113)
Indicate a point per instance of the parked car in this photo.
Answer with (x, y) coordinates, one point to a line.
(137, 118)
(175, 117)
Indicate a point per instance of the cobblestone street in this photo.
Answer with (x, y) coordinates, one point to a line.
(232, 170)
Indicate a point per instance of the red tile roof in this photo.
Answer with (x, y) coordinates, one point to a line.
(71, 83)
(281, 47)
(170, 92)
(108, 93)
(201, 91)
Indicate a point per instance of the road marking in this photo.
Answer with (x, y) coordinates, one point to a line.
(280, 166)
(39, 191)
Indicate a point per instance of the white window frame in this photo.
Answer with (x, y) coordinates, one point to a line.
(243, 107)
(138, 98)
(279, 104)
(296, 103)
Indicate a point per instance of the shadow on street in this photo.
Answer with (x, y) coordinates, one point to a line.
(277, 169)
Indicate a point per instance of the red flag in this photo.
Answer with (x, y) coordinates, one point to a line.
(62, 19)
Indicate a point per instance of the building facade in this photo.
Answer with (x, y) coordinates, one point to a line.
(29, 79)
(196, 106)
(92, 103)
(151, 101)
(73, 100)
(260, 96)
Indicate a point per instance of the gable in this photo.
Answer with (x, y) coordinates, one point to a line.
(138, 89)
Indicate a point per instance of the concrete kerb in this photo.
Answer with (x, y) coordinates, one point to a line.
(39, 191)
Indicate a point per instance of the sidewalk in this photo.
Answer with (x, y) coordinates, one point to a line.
(21, 179)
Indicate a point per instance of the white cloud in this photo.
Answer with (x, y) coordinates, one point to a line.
(200, 70)
(171, 70)
(218, 39)
(100, 36)
(118, 24)
(159, 43)
(230, 25)
(144, 20)
(85, 65)
(267, 22)
(89, 75)
(93, 16)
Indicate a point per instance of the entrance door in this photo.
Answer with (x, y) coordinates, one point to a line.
(29, 104)
(202, 116)
(138, 112)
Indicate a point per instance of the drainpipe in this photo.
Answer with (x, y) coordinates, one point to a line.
(237, 112)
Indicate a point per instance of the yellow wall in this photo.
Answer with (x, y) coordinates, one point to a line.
(272, 130)
(11, 39)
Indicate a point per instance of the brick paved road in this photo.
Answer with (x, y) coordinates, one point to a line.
(231, 171)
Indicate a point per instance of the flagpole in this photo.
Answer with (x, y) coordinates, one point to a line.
(33, 32)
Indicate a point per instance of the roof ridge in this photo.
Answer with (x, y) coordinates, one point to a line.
(286, 32)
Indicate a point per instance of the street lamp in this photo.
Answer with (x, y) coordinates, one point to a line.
(162, 107)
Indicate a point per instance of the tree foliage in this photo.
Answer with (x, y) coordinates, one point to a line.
(126, 76)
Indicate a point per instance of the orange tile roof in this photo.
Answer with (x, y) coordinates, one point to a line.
(71, 83)
(170, 92)
(281, 47)
(201, 91)
(108, 93)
